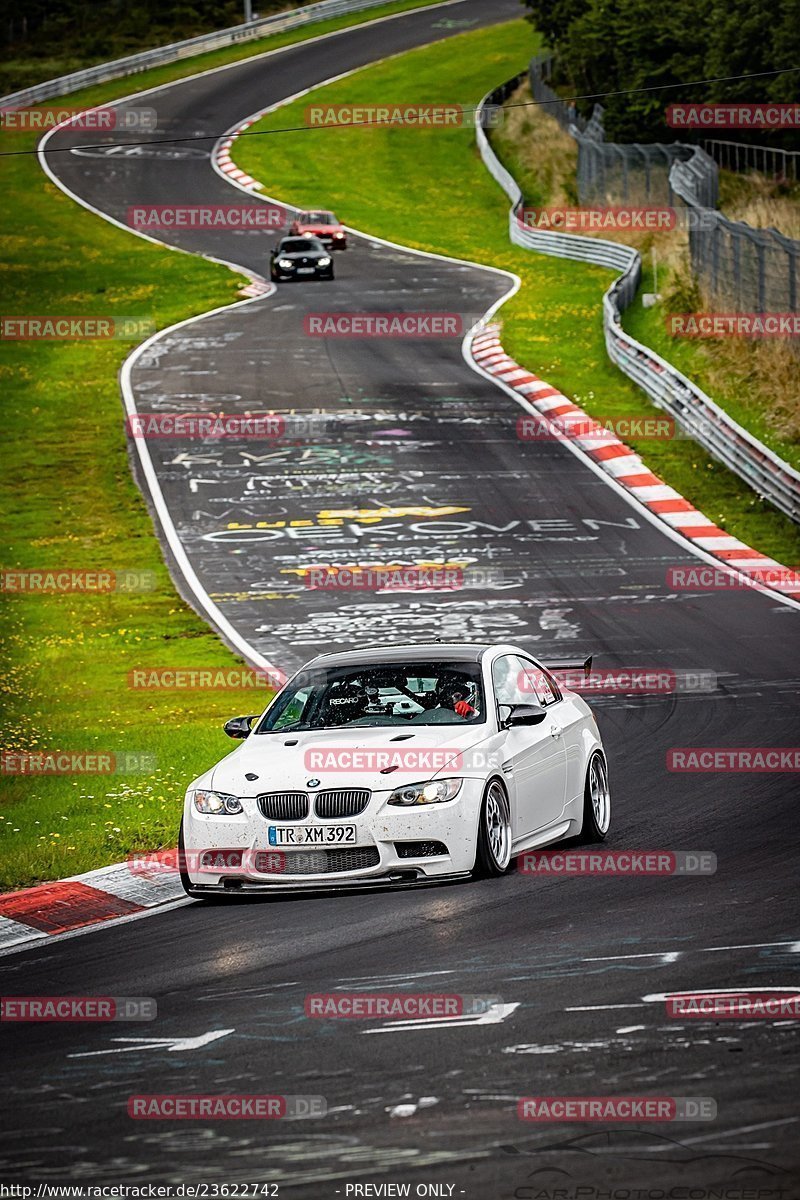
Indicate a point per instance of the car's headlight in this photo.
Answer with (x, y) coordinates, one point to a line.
(217, 802)
(309, 235)
(435, 792)
(323, 262)
(338, 235)
(286, 264)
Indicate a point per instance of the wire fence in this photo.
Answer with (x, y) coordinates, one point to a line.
(740, 268)
(781, 165)
(751, 270)
(693, 410)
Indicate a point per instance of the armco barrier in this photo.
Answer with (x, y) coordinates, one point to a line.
(742, 268)
(160, 55)
(693, 411)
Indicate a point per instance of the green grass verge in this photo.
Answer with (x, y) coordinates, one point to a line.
(67, 500)
(429, 189)
(732, 374)
(54, 56)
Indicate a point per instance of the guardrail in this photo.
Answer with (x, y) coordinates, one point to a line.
(758, 269)
(743, 268)
(767, 160)
(134, 63)
(693, 411)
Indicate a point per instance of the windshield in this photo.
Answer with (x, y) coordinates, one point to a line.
(407, 693)
(299, 245)
(317, 218)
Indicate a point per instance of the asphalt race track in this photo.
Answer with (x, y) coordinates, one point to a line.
(419, 460)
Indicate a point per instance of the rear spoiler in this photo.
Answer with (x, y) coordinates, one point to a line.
(574, 664)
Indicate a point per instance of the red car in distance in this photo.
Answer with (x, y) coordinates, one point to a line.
(320, 224)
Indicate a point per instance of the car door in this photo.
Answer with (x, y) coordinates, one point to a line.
(568, 713)
(535, 760)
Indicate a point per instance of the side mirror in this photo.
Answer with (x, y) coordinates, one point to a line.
(525, 714)
(239, 727)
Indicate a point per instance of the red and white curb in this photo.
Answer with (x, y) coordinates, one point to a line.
(626, 468)
(223, 163)
(107, 894)
(221, 156)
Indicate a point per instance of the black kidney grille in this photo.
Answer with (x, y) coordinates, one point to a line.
(347, 802)
(284, 806)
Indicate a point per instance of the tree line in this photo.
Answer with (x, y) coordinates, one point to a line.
(66, 34)
(624, 45)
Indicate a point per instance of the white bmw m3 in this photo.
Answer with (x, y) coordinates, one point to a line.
(397, 764)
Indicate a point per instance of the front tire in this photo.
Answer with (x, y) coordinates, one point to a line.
(596, 801)
(493, 855)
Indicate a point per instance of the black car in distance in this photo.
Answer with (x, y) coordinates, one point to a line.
(300, 258)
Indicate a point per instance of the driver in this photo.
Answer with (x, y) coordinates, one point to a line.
(454, 694)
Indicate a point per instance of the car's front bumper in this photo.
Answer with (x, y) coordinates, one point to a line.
(318, 273)
(386, 836)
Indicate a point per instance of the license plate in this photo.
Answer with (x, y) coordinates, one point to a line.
(312, 835)
(305, 270)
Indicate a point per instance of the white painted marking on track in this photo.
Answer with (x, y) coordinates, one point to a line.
(599, 1007)
(710, 1137)
(728, 991)
(172, 1045)
(673, 955)
(669, 955)
(794, 947)
(494, 1015)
